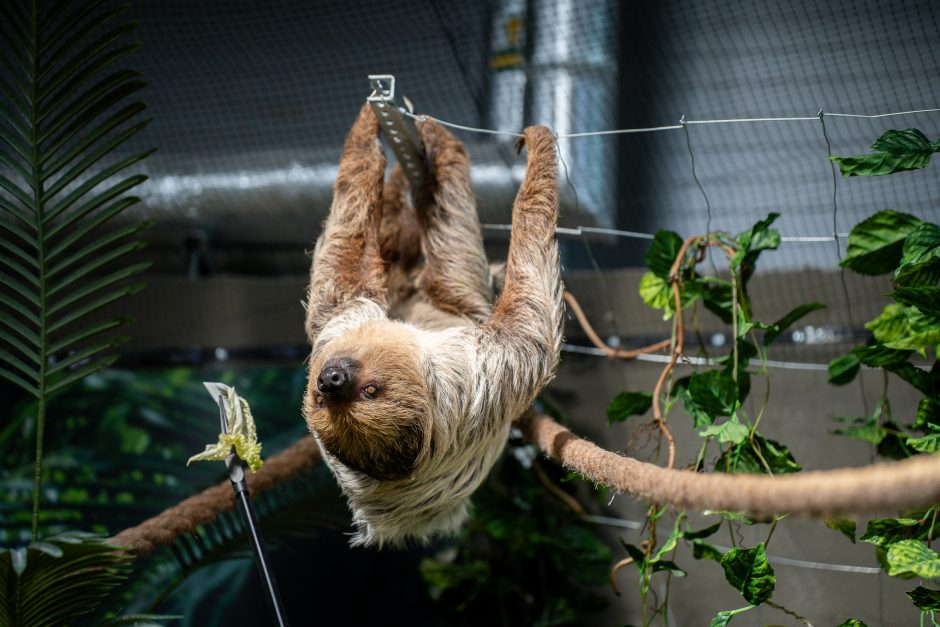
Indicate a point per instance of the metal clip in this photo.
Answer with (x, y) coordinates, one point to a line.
(400, 131)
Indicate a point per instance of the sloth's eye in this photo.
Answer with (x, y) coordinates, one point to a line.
(318, 400)
(370, 390)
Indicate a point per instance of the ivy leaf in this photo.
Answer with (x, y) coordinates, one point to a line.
(730, 431)
(928, 413)
(672, 567)
(844, 526)
(842, 370)
(886, 531)
(913, 558)
(864, 429)
(920, 379)
(744, 457)
(749, 572)
(925, 298)
(662, 253)
(702, 533)
(894, 151)
(890, 325)
(781, 325)
(900, 327)
(657, 293)
(703, 550)
(712, 393)
(879, 356)
(724, 617)
(718, 298)
(639, 557)
(920, 258)
(929, 443)
(628, 404)
(875, 244)
(751, 242)
(925, 599)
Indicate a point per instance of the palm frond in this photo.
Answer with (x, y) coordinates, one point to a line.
(52, 582)
(65, 113)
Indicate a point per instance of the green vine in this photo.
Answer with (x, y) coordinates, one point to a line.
(904, 342)
(714, 397)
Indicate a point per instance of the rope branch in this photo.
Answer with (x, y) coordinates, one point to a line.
(164, 528)
(875, 488)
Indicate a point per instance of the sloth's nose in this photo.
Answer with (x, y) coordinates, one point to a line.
(337, 380)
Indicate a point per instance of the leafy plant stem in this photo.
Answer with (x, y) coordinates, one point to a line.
(701, 454)
(762, 356)
(789, 612)
(734, 325)
(770, 532)
(734, 542)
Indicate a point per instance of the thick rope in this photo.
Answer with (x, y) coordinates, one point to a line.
(184, 517)
(876, 488)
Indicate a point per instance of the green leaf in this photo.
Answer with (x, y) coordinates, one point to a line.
(864, 429)
(724, 617)
(750, 455)
(920, 261)
(911, 557)
(731, 431)
(628, 404)
(920, 379)
(925, 599)
(752, 242)
(657, 293)
(702, 533)
(883, 532)
(842, 370)
(667, 565)
(702, 550)
(875, 244)
(879, 356)
(894, 151)
(662, 253)
(718, 299)
(928, 413)
(749, 572)
(852, 622)
(844, 526)
(712, 393)
(927, 444)
(781, 325)
(926, 299)
(905, 328)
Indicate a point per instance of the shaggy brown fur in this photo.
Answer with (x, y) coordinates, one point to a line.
(415, 373)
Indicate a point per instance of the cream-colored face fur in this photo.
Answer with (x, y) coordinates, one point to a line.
(416, 372)
(385, 427)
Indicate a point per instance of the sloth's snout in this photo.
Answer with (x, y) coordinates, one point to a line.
(337, 380)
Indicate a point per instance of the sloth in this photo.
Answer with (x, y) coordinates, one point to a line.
(417, 368)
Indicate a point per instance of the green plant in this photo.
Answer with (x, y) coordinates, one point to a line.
(714, 397)
(905, 340)
(63, 117)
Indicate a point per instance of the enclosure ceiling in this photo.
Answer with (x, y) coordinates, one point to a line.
(251, 102)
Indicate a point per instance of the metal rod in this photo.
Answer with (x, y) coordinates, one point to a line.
(236, 474)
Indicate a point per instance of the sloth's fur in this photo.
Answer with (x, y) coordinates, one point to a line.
(403, 289)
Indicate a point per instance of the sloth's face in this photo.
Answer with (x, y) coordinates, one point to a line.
(368, 401)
